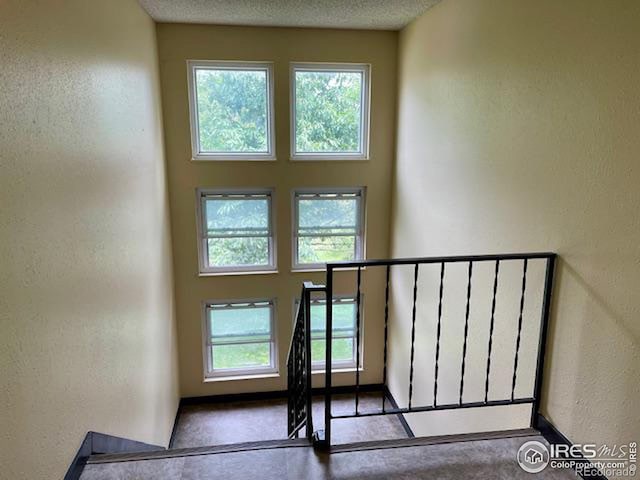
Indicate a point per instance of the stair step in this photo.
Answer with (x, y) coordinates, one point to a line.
(189, 452)
(435, 440)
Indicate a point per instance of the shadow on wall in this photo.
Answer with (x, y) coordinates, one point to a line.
(602, 334)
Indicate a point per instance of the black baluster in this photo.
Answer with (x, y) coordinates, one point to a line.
(358, 338)
(413, 332)
(386, 321)
(466, 332)
(515, 362)
(435, 383)
(493, 312)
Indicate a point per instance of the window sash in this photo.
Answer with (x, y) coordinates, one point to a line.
(365, 105)
(205, 234)
(221, 65)
(357, 230)
(210, 343)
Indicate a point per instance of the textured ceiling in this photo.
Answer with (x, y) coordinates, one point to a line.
(361, 14)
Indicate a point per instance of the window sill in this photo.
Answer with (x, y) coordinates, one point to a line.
(228, 378)
(320, 158)
(323, 270)
(249, 272)
(230, 157)
(336, 370)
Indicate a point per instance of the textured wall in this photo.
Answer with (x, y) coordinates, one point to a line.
(86, 311)
(177, 44)
(519, 131)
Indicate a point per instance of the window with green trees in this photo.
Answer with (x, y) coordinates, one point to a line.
(231, 110)
(329, 226)
(330, 111)
(343, 346)
(239, 338)
(236, 232)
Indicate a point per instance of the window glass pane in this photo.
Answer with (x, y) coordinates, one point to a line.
(241, 356)
(344, 318)
(238, 252)
(238, 324)
(328, 111)
(237, 229)
(327, 215)
(232, 110)
(313, 250)
(341, 350)
(237, 215)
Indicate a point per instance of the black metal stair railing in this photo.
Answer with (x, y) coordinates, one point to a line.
(443, 262)
(299, 411)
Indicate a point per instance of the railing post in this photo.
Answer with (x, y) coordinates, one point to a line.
(327, 367)
(542, 340)
(307, 358)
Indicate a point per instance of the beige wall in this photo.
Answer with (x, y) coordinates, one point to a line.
(177, 44)
(86, 309)
(519, 131)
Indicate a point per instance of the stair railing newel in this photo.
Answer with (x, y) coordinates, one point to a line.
(299, 405)
(323, 437)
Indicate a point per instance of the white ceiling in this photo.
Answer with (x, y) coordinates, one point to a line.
(360, 14)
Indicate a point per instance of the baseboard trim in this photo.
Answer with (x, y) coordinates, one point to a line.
(96, 443)
(403, 420)
(549, 431)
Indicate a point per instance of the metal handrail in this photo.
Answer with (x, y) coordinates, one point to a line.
(550, 258)
(299, 410)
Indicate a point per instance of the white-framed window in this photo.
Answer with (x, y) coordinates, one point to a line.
(235, 230)
(343, 339)
(328, 226)
(330, 105)
(239, 338)
(231, 110)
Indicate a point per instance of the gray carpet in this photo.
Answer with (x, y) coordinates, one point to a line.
(485, 459)
(236, 422)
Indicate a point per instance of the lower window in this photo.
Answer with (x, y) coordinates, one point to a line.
(239, 338)
(343, 344)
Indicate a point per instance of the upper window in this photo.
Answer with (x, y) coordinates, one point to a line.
(330, 111)
(239, 338)
(328, 226)
(236, 230)
(231, 106)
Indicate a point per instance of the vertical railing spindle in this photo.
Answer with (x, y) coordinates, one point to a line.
(307, 358)
(466, 332)
(435, 383)
(327, 367)
(493, 313)
(386, 324)
(515, 362)
(413, 332)
(358, 337)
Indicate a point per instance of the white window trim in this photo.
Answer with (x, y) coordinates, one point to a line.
(204, 269)
(363, 68)
(197, 153)
(210, 373)
(319, 367)
(360, 224)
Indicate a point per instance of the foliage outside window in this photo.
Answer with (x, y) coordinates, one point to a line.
(235, 231)
(328, 227)
(239, 338)
(343, 346)
(330, 111)
(231, 110)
